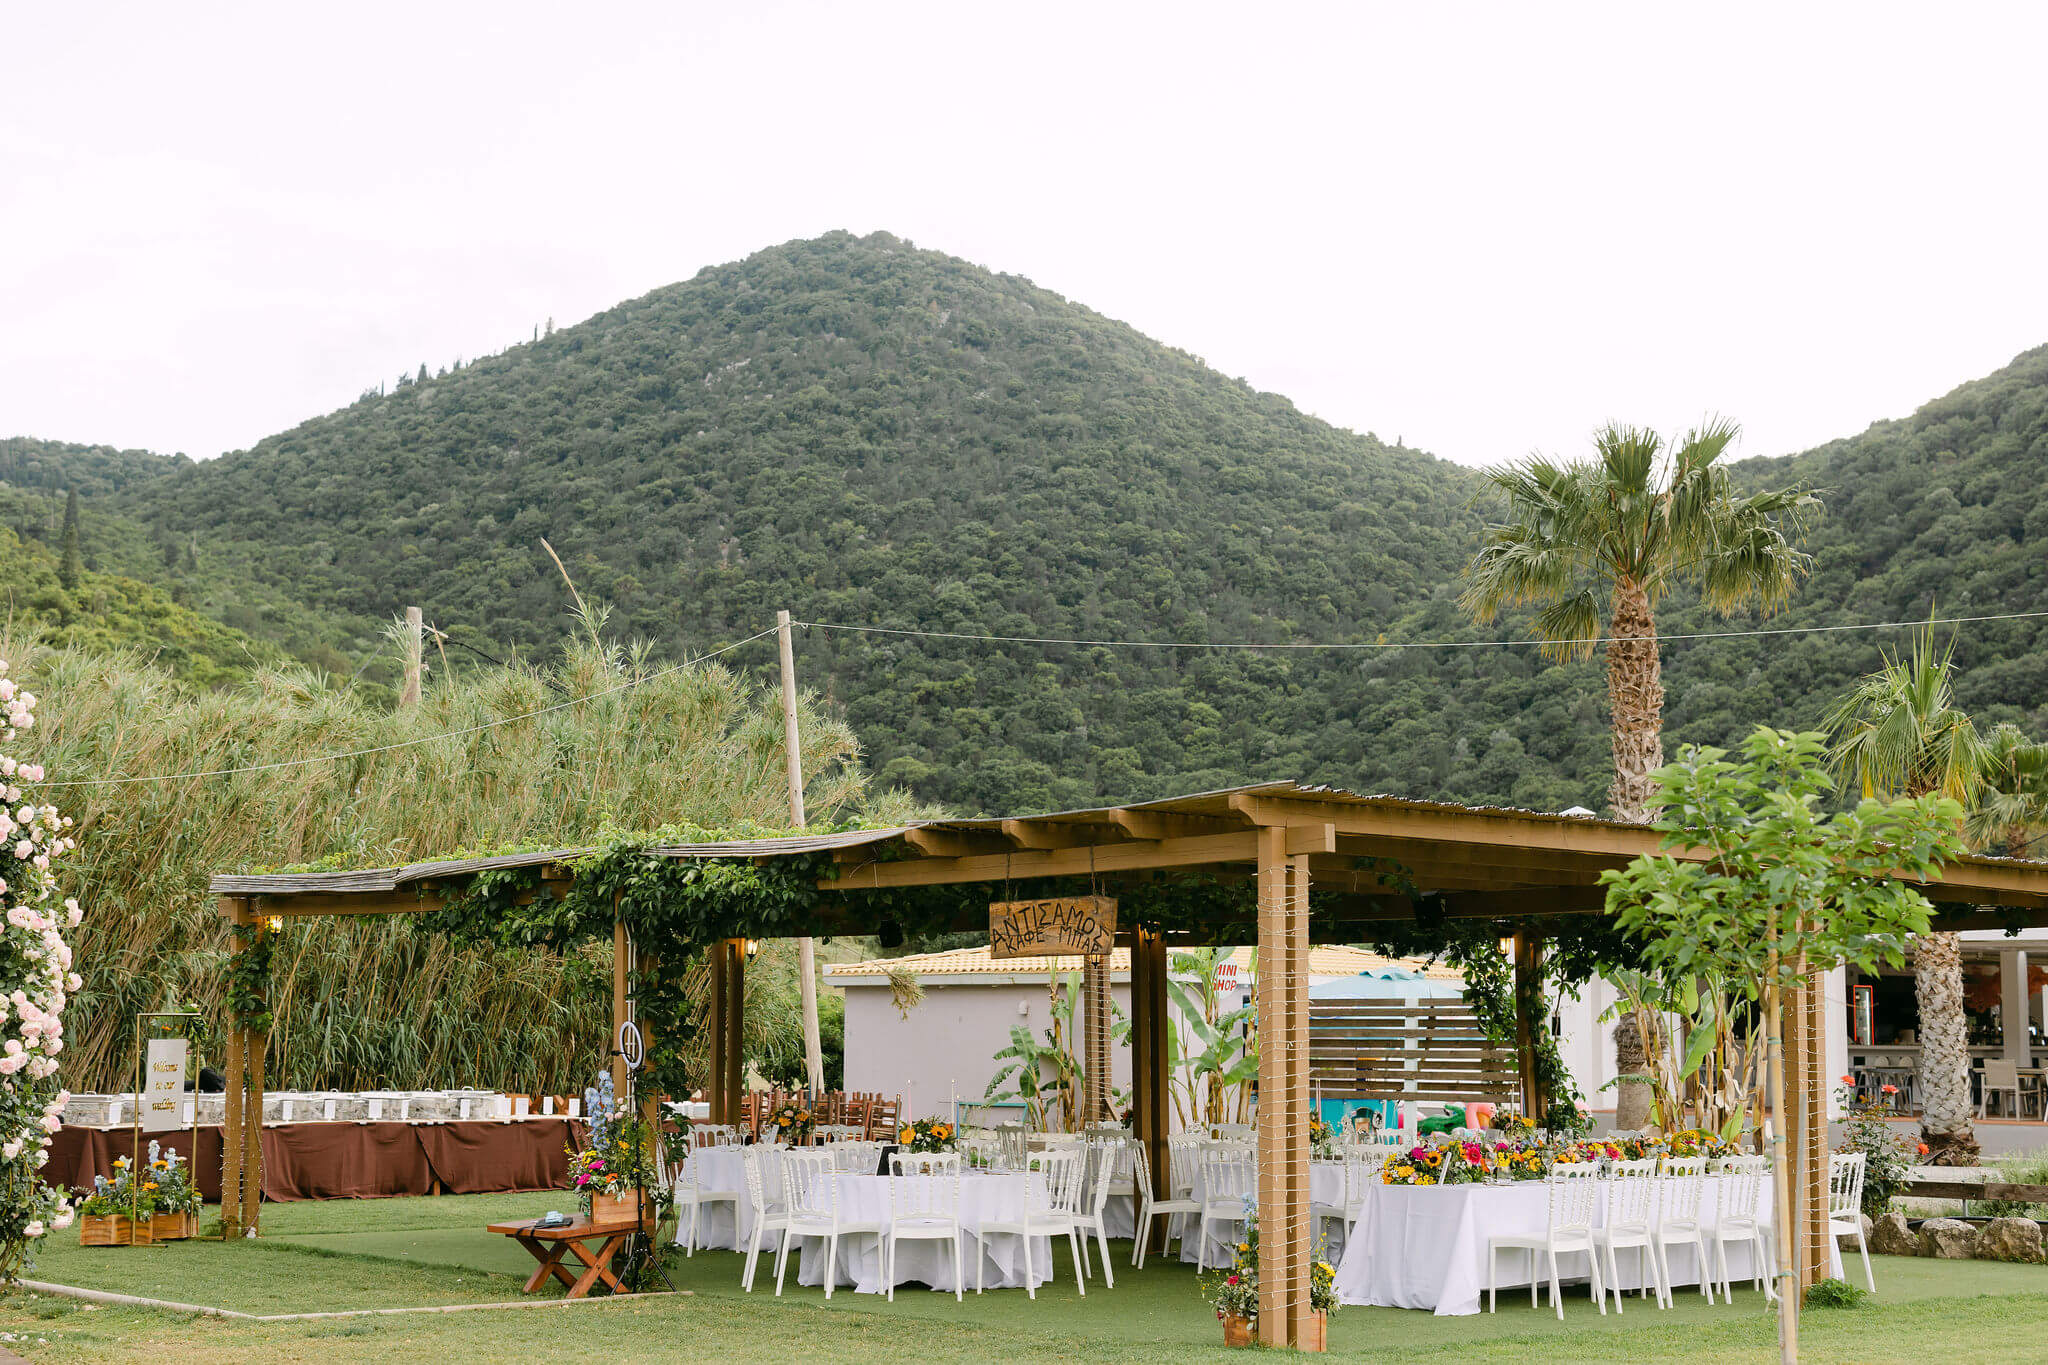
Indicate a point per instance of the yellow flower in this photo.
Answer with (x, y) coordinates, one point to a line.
(149, 1184)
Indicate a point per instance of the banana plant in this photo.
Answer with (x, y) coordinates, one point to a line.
(1213, 1078)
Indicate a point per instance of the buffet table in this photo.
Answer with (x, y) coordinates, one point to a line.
(344, 1160)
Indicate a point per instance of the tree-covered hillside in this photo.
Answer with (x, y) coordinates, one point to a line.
(870, 434)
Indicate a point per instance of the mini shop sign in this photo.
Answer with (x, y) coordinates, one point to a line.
(1067, 926)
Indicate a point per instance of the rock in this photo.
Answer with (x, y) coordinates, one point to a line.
(2011, 1239)
(1889, 1236)
(1948, 1239)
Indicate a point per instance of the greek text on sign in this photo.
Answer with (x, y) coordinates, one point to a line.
(1068, 926)
(163, 1084)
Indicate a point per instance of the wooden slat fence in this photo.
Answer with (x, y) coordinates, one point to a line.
(1385, 1050)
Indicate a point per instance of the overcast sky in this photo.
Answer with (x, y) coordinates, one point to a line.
(1483, 230)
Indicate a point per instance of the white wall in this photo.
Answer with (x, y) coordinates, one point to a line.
(949, 1041)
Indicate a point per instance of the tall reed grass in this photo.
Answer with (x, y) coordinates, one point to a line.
(362, 1001)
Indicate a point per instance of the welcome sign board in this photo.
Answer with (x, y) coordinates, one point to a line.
(1068, 926)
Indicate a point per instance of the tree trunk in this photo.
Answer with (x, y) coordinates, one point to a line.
(1944, 1052)
(1634, 1036)
(1635, 699)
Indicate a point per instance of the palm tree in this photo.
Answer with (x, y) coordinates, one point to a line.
(2011, 813)
(1616, 533)
(1899, 733)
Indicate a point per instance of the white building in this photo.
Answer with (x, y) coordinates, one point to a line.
(945, 1046)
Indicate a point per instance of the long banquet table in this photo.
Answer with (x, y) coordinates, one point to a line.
(1424, 1246)
(984, 1197)
(350, 1159)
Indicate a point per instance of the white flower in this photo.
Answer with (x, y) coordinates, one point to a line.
(34, 1229)
(23, 848)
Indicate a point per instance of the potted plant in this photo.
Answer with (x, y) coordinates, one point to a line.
(118, 1212)
(168, 1181)
(615, 1171)
(1322, 1301)
(1234, 1293)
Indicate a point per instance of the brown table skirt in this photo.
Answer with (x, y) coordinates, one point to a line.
(351, 1160)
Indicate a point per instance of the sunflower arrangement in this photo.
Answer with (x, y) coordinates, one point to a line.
(1508, 1121)
(1697, 1142)
(926, 1135)
(127, 1193)
(792, 1121)
(168, 1180)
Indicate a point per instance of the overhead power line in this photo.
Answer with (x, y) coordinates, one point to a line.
(411, 743)
(1412, 644)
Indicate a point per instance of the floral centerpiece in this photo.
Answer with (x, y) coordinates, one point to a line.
(1524, 1159)
(1234, 1293)
(1697, 1142)
(1450, 1163)
(1509, 1121)
(1322, 1138)
(926, 1135)
(615, 1170)
(36, 980)
(792, 1121)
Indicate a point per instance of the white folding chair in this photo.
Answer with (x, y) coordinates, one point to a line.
(1630, 1222)
(1574, 1199)
(810, 1187)
(1845, 1204)
(1052, 1198)
(770, 1215)
(1146, 1206)
(1739, 1218)
(1678, 1217)
(924, 1205)
(1227, 1184)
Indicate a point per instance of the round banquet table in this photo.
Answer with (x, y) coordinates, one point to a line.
(1325, 1186)
(984, 1197)
(1424, 1246)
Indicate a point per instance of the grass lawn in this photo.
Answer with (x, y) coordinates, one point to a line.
(402, 1252)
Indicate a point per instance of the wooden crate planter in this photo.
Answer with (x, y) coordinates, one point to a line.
(1237, 1331)
(171, 1227)
(1317, 1337)
(620, 1208)
(113, 1230)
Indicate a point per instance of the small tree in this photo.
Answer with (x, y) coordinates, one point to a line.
(1773, 892)
(70, 561)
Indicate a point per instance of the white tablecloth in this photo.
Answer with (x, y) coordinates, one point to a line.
(984, 1197)
(1424, 1246)
(1325, 1186)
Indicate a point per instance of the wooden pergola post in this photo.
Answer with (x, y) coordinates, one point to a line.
(1149, 1056)
(714, 1053)
(235, 909)
(1283, 1090)
(621, 951)
(1529, 1003)
(1095, 1074)
(732, 1081)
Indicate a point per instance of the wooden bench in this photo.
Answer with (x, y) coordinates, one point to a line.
(1974, 1189)
(549, 1245)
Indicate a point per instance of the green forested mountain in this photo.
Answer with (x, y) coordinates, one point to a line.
(870, 434)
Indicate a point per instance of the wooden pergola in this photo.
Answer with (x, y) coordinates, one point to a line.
(1460, 862)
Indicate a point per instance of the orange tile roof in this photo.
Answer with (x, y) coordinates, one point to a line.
(1325, 961)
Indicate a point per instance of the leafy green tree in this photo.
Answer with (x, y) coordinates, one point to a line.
(2011, 810)
(1608, 538)
(1786, 890)
(1899, 732)
(70, 561)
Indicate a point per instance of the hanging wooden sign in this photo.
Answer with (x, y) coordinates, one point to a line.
(1082, 926)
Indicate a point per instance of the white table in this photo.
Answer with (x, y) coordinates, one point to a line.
(984, 1197)
(1424, 1246)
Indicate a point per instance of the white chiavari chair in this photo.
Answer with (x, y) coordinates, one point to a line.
(1738, 1217)
(924, 1205)
(1680, 1189)
(770, 1214)
(1146, 1206)
(810, 1185)
(1229, 1132)
(1052, 1198)
(1574, 1200)
(1101, 1156)
(1014, 1143)
(694, 1188)
(855, 1157)
(1228, 1184)
(1845, 1204)
(1630, 1224)
(714, 1135)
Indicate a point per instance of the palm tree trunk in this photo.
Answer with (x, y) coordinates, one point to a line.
(1635, 1034)
(1635, 699)
(1944, 1052)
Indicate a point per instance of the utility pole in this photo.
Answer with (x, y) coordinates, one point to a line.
(414, 658)
(806, 947)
